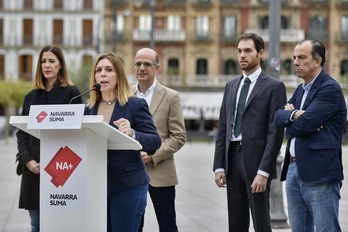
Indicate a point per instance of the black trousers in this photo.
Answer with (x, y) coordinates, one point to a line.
(163, 199)
(240, 198)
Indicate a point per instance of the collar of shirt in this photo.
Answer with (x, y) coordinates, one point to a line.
(253, 77)
(148, 94)
(307, 87)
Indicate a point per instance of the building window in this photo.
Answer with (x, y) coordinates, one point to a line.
(264, 22)
(28, 4)
(263, 64)
(87, 32)
(344, 27)
(173, 66)
(58, 31)
(344, 72)
(230, 67)
(284, 22)
(229, 26)
(27, 31)
(119, 24)
(202, 67)
(318, 28)
(174, 23)
(87, 4)
(344, 68)
(116, 30)
(25, 67)
(2, 67)
(266, 1)
(202, 26)
(286, 67)
(58, 4)
(70, 36)
(145, 22)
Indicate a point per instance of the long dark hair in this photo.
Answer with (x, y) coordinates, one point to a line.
(62, 78)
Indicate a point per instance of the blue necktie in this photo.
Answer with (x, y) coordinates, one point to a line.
(241, 106)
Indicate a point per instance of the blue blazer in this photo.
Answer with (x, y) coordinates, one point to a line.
(318, 152)
(125, 167)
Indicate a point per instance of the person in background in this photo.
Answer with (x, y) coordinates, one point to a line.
(248, 141)
(52, 85)
(126, 174)
(165, 107)
(314, 118)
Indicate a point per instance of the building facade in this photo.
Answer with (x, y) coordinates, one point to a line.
(28, 25)
(196, 39)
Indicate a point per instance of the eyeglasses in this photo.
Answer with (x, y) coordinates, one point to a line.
(146, 64)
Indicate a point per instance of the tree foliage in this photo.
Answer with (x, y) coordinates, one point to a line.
(13, 92)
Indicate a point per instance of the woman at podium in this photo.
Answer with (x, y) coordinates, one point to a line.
(126, 173)
(52, 85)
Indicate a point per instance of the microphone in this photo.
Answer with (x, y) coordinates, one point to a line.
(95, 87)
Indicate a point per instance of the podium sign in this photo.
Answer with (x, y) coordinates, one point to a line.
(62, 169)
(73, 186)
(56, 116)
(73, 168)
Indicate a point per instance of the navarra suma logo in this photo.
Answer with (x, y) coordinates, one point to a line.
(41, 116)
(62, 165)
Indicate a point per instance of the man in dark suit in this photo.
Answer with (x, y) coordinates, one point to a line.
(248, 141)
(314, 118)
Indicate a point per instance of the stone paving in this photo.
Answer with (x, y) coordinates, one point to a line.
(200, 205)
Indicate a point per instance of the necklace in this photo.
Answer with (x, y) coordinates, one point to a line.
(108, 102)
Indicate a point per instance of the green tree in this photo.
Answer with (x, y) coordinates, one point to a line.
(12, 97)
(80, 75)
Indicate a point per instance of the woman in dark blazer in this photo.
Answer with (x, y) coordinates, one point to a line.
(52, 85)
(127, 177)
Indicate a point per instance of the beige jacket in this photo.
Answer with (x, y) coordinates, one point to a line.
(167, 113)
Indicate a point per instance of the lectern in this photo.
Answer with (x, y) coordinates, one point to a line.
(73, 166)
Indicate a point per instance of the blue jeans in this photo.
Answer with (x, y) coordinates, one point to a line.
(34, 220)
(312, 206)
(125, 208)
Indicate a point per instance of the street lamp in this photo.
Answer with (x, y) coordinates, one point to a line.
(152, 3)
(278, 216)
(114, 25)
(152, 10)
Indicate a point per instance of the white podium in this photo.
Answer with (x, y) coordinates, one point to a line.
(73, 173)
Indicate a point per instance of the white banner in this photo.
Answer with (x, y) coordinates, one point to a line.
(63, 168)
(56, 116)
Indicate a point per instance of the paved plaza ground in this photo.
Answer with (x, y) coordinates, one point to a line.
(200, 205)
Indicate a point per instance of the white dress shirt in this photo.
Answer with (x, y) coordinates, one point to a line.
(148, 94)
